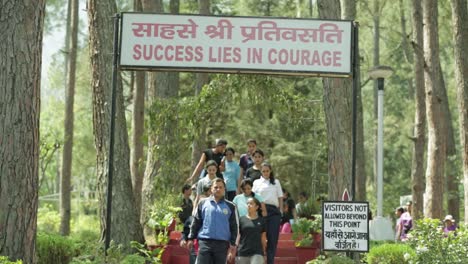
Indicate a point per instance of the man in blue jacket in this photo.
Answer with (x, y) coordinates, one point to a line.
(215, 225)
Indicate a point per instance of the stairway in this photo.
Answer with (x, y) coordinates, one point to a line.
(286, 251)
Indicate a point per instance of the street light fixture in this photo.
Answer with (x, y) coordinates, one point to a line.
(382, 227)
(380, 71)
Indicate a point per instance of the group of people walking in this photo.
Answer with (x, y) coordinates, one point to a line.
(239, 217)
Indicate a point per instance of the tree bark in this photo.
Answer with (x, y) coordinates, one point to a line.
(417, 170)
(436, 153)
(124, 219)
(337, 107)
(65, 186)
(163, 86)
(349, 13)
(152, 164)
(348, 10)
(201, 80)
(451, 171)
(20, 81)
(460, 37)
(138, 123)
(404, 43)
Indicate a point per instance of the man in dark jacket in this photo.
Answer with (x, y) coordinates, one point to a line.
(215, 225)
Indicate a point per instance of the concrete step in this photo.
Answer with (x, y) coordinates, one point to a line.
(285, 236)
(285, 260)
(286, 244)
(285, 252)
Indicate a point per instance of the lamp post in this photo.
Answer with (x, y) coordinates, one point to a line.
(382, 226)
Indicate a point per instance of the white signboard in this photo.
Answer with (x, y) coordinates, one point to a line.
(345, 226)
(235, 44)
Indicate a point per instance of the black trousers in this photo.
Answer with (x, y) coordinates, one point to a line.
(273, 221)
(212, 251)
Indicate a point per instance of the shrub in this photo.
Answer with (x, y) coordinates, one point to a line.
(303, 228)
(54, 249)
(48, 219)
(431, 246)
(86, 242)
(4, 260)
(133, 259)
(390, 254)
(334, 259)
(162, 218)
(308, 209)
(84, 222)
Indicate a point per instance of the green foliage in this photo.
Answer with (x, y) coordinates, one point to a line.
(304, 228)
(376, 243)
(275, 111)
(115, 255)
(431, 246)
(85, 224)
(51, 128)
(86, 241)
(152, 255)
(162, 215)
(285, 115)
(48, 219)
(5, 260)
(308, 209)
(134, 259)
(50, 145)
(52, 248)
(55, 10)
(390, 254)
(332, 259)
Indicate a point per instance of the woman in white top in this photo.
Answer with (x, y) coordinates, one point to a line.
(270, 190)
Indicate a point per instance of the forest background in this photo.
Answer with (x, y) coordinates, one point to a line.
(165, 120)
(284, 114)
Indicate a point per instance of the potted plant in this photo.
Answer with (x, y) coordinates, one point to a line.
(306, 234)
(162, 221)
(308, 209)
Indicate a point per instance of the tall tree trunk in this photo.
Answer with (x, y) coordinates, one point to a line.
(349, 13)
(311, 8)
(163, 86)
(202, 79)
(404, 43)
(417, 168)
(67, 42)
(460, 37)
(299, 4)
(337, 106)
(147, 196)
(65, 186)
(125, 225)
(58, 160)
(138, 123)
(451, 171)
(348, 9)
(20, 81)
(436, 152)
